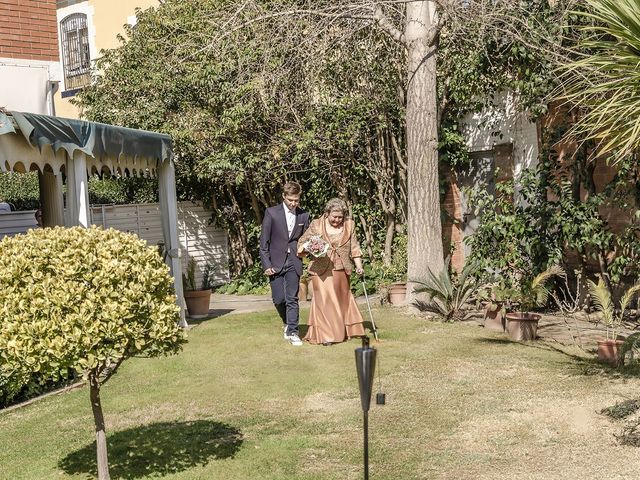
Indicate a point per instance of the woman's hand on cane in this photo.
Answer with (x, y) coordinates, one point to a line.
(359, 269)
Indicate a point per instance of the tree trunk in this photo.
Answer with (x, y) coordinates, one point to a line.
(242, 257)
(424, 227)
(101, 435)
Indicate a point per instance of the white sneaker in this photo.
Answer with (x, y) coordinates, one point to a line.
(286, 337)
(294, 339)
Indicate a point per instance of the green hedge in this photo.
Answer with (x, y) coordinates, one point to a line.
(22, 190)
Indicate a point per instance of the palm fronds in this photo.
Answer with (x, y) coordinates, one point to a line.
(627, 297)
(604, 82)
(538, 286)
(602, 300)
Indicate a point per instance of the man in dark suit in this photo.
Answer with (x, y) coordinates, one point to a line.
(281, 228)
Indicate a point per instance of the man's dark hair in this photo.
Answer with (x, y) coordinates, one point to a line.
(292, 188)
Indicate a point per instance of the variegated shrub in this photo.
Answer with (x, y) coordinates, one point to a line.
(84, 300)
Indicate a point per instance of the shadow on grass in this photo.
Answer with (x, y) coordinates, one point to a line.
(158, 449)
(302, 329)
(215, 313)
(495, 341)
(578, 364)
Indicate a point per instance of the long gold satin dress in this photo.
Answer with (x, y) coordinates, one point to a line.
(334, 314)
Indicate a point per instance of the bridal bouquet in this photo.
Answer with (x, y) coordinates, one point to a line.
(316, 246)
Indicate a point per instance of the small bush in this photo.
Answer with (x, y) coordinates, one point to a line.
(20, 189)
(80, 300)
(621, 410)
(124, 190)
(252, 281)
(448, 291)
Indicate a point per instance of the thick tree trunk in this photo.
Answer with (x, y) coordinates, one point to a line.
(101, 435)
(423, 222)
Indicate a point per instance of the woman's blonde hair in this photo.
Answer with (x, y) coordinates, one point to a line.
(336, 204)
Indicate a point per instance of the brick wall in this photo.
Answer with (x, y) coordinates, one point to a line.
(452, 235)
(29, 29)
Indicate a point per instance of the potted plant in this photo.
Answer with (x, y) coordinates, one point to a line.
(494, 299)
(197, 300)
(523, 325)
(397, 292)
(609, 348)
(392, 273)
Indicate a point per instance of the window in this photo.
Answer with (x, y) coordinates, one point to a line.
(76, 59)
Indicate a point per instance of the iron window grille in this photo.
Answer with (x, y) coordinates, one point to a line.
(76, 58)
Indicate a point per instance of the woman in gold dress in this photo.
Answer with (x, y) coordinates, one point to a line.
(334, 314)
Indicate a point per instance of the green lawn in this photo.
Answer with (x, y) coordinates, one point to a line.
(240, 403)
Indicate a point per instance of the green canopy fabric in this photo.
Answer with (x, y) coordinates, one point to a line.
(5, 124)
(94, 139)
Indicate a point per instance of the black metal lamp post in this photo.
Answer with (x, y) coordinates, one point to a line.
(365, 366)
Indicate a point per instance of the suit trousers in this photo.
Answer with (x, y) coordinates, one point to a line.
(284, 292)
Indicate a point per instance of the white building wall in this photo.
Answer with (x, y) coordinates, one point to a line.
(500, 124)
(26, 85)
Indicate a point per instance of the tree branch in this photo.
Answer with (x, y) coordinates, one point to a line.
(385, 24)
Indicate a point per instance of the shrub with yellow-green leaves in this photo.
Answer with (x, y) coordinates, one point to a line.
(84, 300)
(81, 299)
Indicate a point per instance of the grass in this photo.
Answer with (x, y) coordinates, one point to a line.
(240, 403)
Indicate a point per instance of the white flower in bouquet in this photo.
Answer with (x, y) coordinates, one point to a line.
(316, 246)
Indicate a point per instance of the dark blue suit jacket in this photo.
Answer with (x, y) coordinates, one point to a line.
(275, 238)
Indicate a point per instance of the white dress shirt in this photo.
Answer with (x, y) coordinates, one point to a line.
(291, 218)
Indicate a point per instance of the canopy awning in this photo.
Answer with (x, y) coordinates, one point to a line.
(105, 146)
(94, 139)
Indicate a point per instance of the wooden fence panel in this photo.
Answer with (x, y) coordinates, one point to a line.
(199, 238)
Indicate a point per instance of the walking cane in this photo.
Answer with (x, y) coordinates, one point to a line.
(373, 324)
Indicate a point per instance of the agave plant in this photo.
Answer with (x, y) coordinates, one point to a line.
(448, 293)
(604, 81)
(604, 304)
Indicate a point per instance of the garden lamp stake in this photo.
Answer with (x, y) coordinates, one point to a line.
(365, 367)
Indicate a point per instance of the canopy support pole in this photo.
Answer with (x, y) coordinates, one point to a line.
(77, 191)
(169, 216)
(51, 199)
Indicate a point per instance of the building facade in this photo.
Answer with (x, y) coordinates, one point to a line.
(29, 56)
(86, 27)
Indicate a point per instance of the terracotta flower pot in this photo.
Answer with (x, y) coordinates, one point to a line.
(397, 293)
(522, 326)
(197, 302)
(609, 351)
(494, 316)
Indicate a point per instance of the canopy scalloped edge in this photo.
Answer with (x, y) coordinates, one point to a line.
(96, 140)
